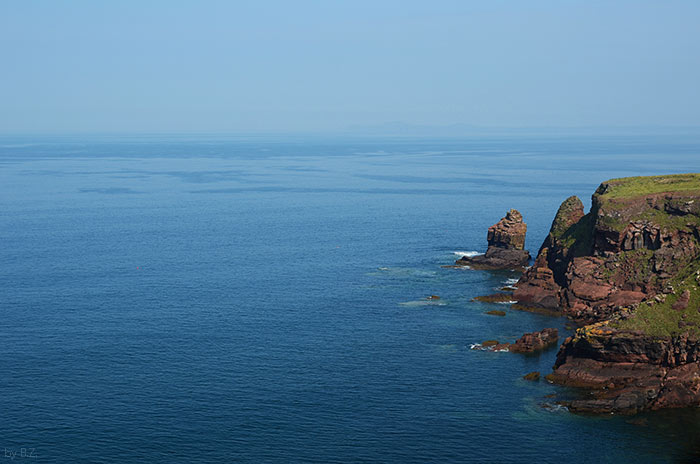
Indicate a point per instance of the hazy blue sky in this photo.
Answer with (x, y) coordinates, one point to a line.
(235, 66)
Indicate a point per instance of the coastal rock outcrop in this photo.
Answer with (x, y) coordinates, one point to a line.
(535, 341)
(506, 243)
(639, 234)
(528, 343)
(627, 371)
(630, 269)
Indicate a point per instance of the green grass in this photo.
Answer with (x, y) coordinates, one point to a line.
(659, 319)
(561, 220)
(669, 221)
(656, 216)
(628, 187)
(611, 223)
(618, 198)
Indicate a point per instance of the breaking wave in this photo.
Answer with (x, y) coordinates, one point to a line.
(468, 254)
(423, 303)
(480, 347)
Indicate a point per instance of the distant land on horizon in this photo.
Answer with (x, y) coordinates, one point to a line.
(397, 129)
(462, 129)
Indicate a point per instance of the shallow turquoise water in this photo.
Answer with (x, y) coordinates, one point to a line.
(202, 299)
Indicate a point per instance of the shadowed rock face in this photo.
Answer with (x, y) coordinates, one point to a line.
(538, 286)
(506, 240)
(631, 269)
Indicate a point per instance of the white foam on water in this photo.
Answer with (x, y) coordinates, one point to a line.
(423, 303)
(506, 302)
(554, 407)
(468, 254)
(415, 303)
(510, 282)
(20, 145)
(403, 271)
(479, 346)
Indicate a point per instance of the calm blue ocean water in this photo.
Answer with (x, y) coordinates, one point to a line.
(183, 299)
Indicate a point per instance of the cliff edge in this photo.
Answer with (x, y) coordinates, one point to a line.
(630, 268)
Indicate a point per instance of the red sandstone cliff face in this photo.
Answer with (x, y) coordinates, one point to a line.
(631, 268)
(628, 372)
(622, 252)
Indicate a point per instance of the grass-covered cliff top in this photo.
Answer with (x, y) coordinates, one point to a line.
(629, 187)
(619, 201)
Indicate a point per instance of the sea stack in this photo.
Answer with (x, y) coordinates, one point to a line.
(506, 240)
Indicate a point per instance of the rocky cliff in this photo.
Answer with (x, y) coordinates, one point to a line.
(506, 243)
(631, 269)
(639, 234)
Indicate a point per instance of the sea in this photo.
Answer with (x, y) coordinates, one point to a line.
(263, 299)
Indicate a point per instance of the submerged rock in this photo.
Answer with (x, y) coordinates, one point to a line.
(506, 240)
(496, 312)
(495, 298)
(532, 376)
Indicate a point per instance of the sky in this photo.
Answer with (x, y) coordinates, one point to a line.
(323, 66)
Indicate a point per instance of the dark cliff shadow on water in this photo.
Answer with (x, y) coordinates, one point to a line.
(680, 428)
